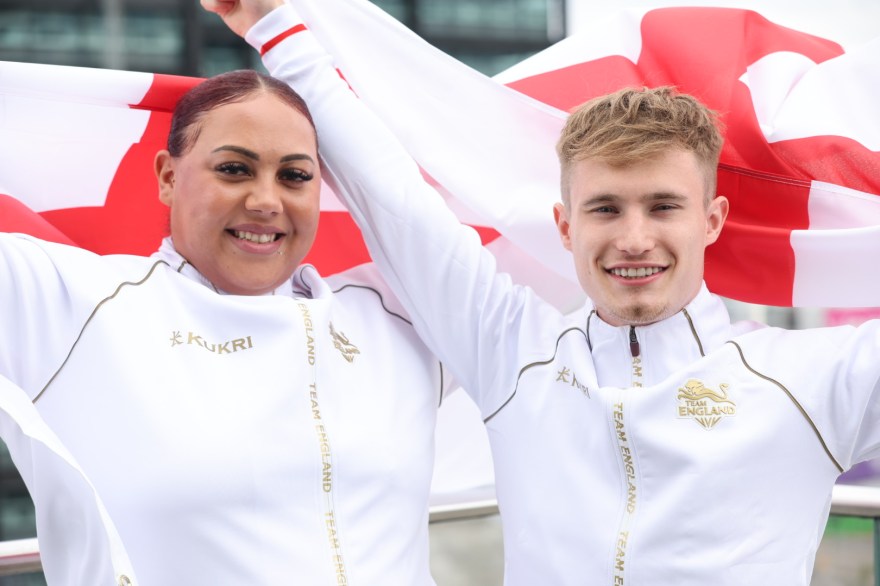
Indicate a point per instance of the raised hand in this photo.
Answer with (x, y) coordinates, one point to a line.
(241, 15)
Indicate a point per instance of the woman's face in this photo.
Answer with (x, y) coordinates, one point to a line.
(244, 198)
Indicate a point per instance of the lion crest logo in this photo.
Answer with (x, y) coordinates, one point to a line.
(343, 344)
(704, 405)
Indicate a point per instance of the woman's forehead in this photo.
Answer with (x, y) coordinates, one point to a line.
(263, 120)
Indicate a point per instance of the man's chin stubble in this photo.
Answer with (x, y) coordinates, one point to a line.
(642, 315)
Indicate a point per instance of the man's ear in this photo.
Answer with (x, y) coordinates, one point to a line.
(164, 167)
(560, 216)
(716, 214)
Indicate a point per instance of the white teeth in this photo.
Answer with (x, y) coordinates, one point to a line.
(636, 273)
(258, 238)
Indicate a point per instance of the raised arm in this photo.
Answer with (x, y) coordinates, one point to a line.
(471, 316)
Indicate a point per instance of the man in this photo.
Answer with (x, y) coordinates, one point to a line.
(646, 439)
(639, 204)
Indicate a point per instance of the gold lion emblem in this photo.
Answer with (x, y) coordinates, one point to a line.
(704, 405)
(342, 343)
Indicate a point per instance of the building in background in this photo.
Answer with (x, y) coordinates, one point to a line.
(178, 37)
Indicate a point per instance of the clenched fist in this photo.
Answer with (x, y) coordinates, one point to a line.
(241, 15)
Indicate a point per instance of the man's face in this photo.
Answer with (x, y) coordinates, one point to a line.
(639, 233)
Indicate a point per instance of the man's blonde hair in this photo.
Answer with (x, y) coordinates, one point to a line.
(634, 124)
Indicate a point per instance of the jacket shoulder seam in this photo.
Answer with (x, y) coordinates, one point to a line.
(792, 398)
(92, 315)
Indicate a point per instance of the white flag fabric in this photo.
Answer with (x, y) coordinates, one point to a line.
(89, 551)
(800, 166)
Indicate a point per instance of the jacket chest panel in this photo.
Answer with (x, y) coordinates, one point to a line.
(251, 403)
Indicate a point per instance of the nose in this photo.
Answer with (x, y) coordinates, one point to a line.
(265, 198)
(636, 235)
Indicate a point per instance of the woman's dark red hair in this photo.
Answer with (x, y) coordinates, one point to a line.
(226, 88)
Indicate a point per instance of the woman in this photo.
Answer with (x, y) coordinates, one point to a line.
(243, 419)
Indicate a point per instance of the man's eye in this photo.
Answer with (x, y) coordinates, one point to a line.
(294, 175)
(233, 168)
(604, 210)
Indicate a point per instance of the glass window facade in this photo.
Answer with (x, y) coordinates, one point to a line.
(489, 35)
(167, 36)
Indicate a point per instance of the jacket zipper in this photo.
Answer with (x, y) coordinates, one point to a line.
(633, 342)
(636, 351)
(629, 470)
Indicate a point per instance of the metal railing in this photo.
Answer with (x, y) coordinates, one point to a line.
(21, 556)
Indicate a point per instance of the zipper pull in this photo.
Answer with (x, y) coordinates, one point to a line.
(633, 342)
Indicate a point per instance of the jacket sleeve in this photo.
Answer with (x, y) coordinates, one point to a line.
(79, 544)
(853, 400)
(475, 319)
(837, 370)
(833, 375)
(44, 302)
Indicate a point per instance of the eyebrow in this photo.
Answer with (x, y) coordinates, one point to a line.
(298, 157)
(603, 198)
(252, 155)
(664, 196)
(237, 149)
(656, 196)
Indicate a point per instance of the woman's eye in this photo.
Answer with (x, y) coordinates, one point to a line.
(294, 175)
(233, 168)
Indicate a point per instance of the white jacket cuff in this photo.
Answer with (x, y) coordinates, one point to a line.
(271, 29)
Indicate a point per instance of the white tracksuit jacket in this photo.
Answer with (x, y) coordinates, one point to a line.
(234, 440)
(709, 458)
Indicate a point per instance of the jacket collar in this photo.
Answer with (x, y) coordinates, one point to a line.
(305, 281)
(701, 327)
